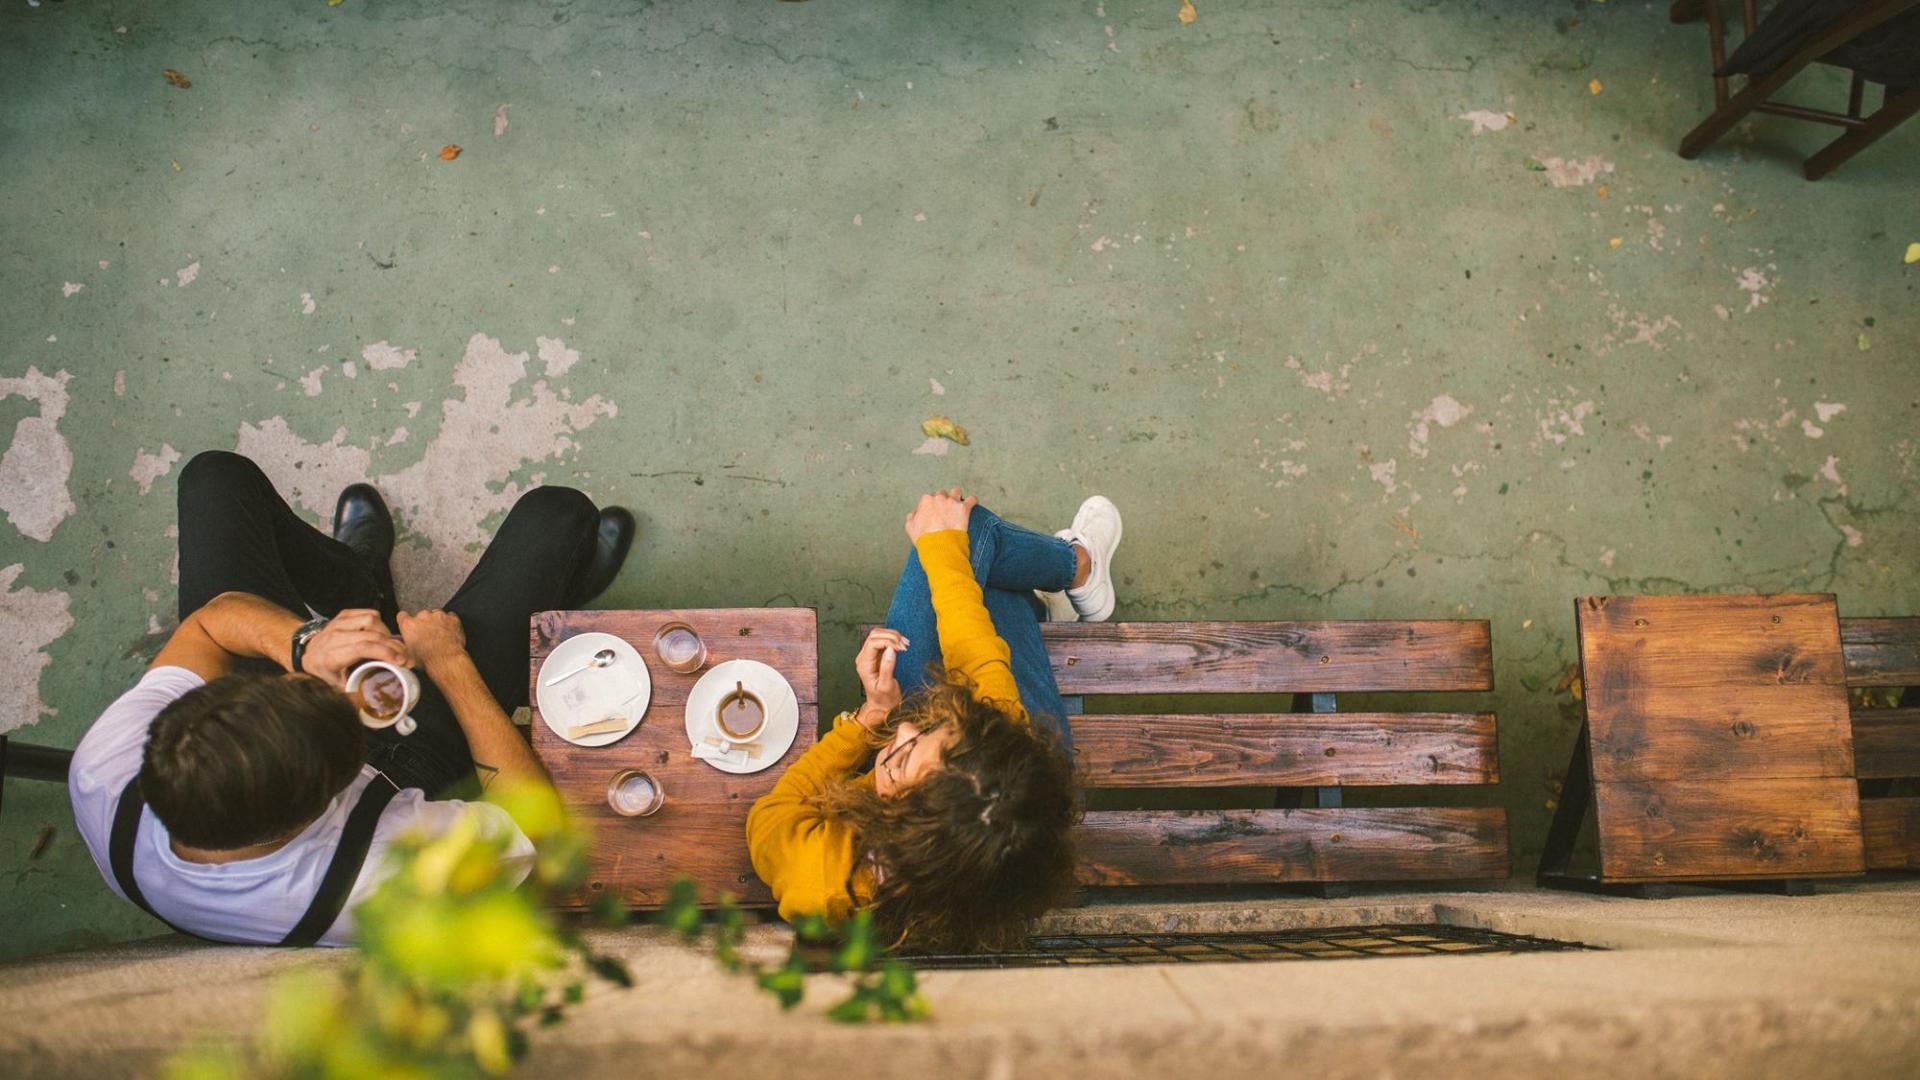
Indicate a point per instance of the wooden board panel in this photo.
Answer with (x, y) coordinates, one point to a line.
(1285, 749)
(1729, 642)
(1882, 652)
(1270, 657)
(701, 831)
(1892, 829)
(1146, 847)
(1886, 743)
(1704, 829)
(1653, 732)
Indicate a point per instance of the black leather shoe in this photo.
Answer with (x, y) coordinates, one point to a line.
(362, 521)
(616, 529)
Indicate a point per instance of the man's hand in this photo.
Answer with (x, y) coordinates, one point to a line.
(874, 664)
(349, 638)
(435, 636)
(940, 510)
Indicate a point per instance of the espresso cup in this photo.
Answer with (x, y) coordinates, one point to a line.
(385, 694)
(740, 716)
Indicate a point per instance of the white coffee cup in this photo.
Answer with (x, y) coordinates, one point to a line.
(379, 693)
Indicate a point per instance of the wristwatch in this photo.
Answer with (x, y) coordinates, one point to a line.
(300, 639)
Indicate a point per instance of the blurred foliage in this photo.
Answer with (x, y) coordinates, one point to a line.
(457, 961)
(884, 988)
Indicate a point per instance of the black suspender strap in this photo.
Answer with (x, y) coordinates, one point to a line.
(356, 839)
(336, 885)
(126, 829)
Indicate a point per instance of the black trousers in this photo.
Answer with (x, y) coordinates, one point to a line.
(238, 535)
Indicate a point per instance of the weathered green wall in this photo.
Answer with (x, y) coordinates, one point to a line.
(1257, 278)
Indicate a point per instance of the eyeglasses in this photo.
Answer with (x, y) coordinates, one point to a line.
(906, 748)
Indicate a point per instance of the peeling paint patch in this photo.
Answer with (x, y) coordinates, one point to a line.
(1576, 172)
(934, 385)
(1484, 120)
(30, 620)
(186, 275)
(1854, 537)
(1830, 472)
(383, 355)
(556, 356)
(935, 446)
(1563, 422)
(1755, 283)
(33, 472)
(1827, 410)
(70, 287)
(1811, 430)
(1443, 411)
(464, 473)
(1382, 473)
(500, 120)
(310, 382)
(1606, 558)
(1324, 381)
(150, 467)
(307, 306)
(119, 384)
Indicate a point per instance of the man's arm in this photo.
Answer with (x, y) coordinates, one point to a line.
(437, 639)
(236, 626)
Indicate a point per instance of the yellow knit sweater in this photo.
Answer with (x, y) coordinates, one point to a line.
(809, 861)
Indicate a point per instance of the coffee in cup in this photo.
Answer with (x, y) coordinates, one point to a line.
(385, 694)
(740, 715)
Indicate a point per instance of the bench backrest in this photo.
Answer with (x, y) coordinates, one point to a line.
(1313, 746)
(1885, 653)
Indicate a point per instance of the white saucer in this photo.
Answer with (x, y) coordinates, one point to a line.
(771, 687)
(595, 693)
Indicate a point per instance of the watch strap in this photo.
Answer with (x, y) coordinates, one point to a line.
(300, 638)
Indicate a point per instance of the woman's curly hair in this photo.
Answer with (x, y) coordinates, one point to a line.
(969, 856)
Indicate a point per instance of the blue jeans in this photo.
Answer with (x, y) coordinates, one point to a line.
(1009, 562)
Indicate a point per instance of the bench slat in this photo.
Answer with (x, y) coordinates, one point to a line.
(1149, 847)
(1882, 652)
(1271, 657)
(1892, 828)
(1705, 829)
(1285, 749)
(1886, 743)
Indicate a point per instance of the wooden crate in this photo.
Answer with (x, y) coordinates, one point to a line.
(1885, 653)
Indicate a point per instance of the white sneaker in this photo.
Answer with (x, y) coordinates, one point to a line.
(1097, 529)
(1059, 608)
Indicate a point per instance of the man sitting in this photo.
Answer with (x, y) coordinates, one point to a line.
(233, 793)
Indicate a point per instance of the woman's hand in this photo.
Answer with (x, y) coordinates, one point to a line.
(940, 510)
(350, 638)
(874, 664)
(435, 636)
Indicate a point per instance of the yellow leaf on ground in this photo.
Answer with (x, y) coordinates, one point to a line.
(1601, 191)
(940, 427)
(1913, 254)
(1187, 13)
(1865, 342)
(1615, 242)
(449, 152)
(335, 3)
(1594, 87)
(176, 78)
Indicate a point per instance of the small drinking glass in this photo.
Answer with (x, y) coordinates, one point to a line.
(633, 793)
(680, 648)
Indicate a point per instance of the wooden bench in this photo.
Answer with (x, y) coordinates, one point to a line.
(1886, 742)
(1716, 745)
(1315, 747)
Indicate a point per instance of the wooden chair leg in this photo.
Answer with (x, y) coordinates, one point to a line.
(1721, 120)
(1894, 111)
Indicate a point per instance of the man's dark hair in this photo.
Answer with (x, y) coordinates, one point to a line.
(249, 758)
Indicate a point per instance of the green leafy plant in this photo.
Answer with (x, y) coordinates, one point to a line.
(457, 961)
(884, 988)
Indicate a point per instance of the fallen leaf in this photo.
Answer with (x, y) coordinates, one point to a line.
(1535, 166)
(176, 164)
(1594, 87)
(1615, 242)
(1865, 342)
(335, 3)
(1601, 191)
(940, 427)
(1187, 13)
(176, 78)
(1913, 254)
(449, 152)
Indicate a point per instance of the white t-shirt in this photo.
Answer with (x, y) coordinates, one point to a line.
(253, 901)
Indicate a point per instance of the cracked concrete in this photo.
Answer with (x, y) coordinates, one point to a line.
(1211, 271)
